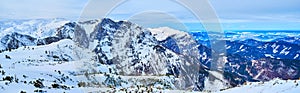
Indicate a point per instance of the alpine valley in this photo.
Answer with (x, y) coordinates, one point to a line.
(57, 55)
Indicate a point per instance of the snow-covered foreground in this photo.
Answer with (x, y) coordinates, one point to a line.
(274, 86)
(41, 68)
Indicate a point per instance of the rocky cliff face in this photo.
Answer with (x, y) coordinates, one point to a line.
(136, 52)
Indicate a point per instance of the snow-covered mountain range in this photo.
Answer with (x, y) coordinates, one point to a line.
(56, 55)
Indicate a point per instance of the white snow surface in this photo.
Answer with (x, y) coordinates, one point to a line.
(273, 86)
(164, 32)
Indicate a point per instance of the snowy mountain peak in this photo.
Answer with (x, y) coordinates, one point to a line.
(163, 33)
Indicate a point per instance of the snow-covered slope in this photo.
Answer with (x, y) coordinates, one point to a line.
(273, 86)
(40, 68)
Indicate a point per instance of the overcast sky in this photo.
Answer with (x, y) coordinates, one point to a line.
(31, 9)
(227, 10)
(238, 10)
